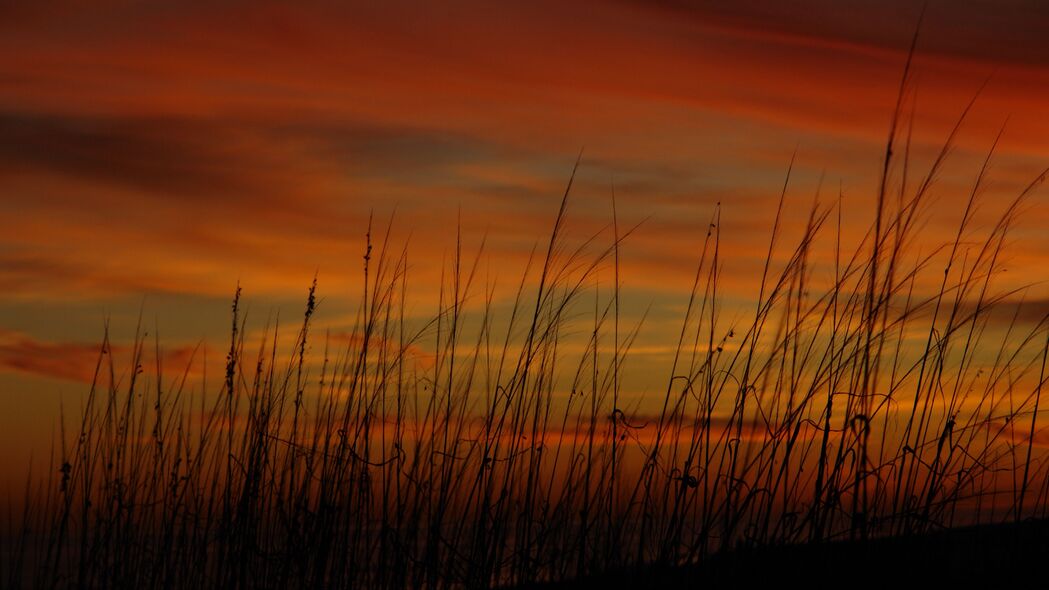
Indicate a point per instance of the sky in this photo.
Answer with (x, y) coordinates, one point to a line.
(155, 155)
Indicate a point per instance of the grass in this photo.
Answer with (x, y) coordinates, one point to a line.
(470, 450)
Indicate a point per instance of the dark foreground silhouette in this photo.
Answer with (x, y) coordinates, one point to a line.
(978, 556)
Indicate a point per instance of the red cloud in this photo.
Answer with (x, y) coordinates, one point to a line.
(72, 361)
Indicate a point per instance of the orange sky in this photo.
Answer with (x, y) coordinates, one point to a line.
(162, 152)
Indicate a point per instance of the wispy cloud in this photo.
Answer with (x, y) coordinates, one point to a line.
(73, 361)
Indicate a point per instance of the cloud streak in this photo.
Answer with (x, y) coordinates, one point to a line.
(73, 361)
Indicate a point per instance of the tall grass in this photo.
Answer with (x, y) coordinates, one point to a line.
(470, 450)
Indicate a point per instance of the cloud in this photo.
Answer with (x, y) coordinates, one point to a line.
(267, 164)
(65, 360)
(71, 361)
(986, 30)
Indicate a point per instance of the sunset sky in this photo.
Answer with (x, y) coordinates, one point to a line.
(154, 155)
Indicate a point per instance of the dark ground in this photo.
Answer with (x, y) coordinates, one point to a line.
(988, 556)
